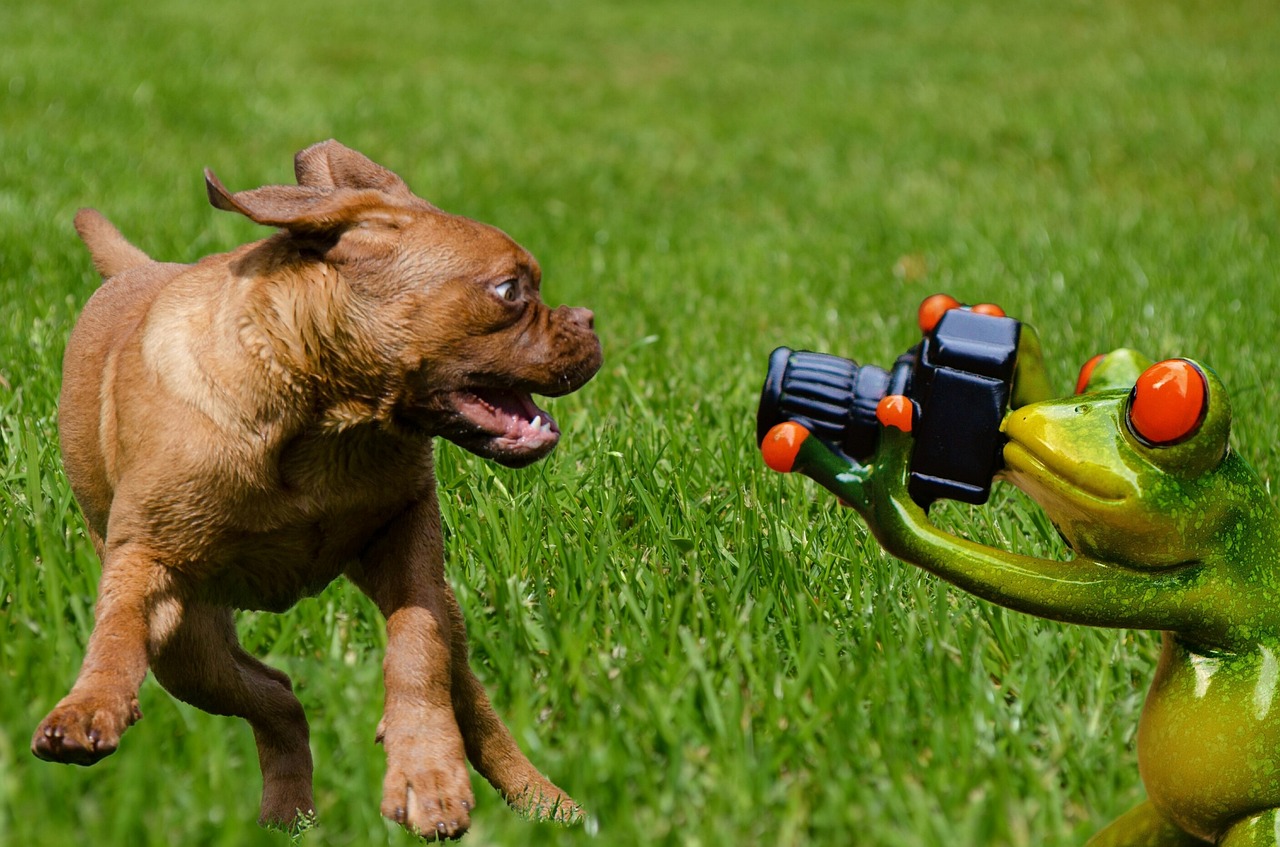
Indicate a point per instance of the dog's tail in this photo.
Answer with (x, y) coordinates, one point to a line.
(112, 253)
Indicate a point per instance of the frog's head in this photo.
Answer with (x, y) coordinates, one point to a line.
(1136, 468)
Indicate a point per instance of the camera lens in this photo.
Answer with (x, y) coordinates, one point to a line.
(832, 397)
(959, 379)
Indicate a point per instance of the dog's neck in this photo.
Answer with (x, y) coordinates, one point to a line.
(296, 323)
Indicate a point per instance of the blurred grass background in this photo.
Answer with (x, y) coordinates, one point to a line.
(698, 650)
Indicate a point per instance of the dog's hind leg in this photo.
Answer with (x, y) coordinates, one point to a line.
(87, 724)
(200, 661)
(490, 746)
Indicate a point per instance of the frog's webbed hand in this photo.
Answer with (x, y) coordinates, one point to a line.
(1117, 370)
(1030, 380)
(875, 491)
(788, 448)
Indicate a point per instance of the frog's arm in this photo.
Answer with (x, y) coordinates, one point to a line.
(1118, 369)
(1031, 381)
(1080, 590)
(788, 448)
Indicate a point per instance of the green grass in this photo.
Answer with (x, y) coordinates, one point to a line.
(698, 650)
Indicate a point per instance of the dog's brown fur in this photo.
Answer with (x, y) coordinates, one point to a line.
(241, 431)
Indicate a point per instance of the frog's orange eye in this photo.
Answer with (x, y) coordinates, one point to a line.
(988, 309)
(933, 308)
(1086, 371)
(1168, 402)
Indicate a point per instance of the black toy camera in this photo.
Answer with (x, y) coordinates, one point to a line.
(959, 379)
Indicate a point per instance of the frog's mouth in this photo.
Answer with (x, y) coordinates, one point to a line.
(1065, 453)
(1033, 471)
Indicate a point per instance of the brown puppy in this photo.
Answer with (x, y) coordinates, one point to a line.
(241, 431)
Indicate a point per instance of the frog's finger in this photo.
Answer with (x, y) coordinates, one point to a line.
(1117, 370)
(1031, 381)
(788, 448)
(782, 445)
(896, 414)
(895, 447)
(897, 411)
(893, 456)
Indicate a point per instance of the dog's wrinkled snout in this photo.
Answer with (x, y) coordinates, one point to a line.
(583, 317)
(575, 348)
(575, 327)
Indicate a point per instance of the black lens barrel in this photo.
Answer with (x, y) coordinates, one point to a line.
(832, 397)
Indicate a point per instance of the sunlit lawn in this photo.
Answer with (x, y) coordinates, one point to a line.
(700, 651)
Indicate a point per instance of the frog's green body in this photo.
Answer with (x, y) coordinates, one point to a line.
(1209, 738)
(1183, 539)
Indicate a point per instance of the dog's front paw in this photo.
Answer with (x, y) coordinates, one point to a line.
(432, 802)
(84, 728)
(428, 788)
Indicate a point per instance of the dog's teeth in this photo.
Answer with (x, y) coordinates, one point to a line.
(537, 422)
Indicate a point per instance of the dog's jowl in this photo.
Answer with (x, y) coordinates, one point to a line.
(241, 431)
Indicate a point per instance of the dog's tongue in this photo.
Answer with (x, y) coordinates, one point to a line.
(508, 414)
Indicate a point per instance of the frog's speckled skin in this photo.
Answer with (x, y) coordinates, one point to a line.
(1183, 539)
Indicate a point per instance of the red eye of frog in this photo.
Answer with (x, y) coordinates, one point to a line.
(1168, 402)
(1086, 371)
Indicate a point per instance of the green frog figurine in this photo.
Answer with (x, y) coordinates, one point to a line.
(1172, 531)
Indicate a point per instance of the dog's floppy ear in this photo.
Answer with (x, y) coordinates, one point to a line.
(300, 208)
(330, 164)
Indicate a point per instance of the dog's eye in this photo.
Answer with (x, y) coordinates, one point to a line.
(508, 290)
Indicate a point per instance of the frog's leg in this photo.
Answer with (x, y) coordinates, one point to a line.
(1260, 830)
(1143, 826)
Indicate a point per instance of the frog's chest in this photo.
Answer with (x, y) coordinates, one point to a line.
(1209, 740)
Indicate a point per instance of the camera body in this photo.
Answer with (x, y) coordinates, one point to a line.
(959, 379)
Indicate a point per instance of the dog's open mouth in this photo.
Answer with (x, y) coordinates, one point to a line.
(506, 425)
